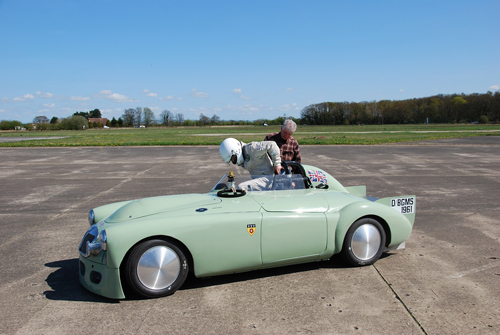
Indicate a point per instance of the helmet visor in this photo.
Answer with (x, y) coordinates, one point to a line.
(234, 159)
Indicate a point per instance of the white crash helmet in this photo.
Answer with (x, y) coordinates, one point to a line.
(231, 147)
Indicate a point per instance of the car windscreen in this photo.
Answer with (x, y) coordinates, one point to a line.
(263, 182)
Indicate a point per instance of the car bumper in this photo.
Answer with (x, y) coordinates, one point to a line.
(100, 279)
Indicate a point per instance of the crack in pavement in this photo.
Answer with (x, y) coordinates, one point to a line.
(400, 300)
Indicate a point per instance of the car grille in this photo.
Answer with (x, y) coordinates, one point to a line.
(90, 236)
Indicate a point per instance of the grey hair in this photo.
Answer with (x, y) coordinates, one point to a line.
(289, 125)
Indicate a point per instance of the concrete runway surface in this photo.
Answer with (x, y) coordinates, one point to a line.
(447, 281)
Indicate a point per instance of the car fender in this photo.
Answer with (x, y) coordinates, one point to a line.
(399, 227)
(123, 237)
(102, 212)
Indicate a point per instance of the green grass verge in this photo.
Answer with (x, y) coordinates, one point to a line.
(353, 135)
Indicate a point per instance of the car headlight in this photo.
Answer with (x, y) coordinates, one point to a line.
(92, 244)
(91, 217)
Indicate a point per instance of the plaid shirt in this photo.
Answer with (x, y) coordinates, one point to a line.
(289, 149)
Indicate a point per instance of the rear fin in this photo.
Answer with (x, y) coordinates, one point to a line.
(359, 191)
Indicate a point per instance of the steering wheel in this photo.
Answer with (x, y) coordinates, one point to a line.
(285, 166)
(228, 193)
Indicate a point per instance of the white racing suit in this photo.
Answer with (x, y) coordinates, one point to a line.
(261, 157)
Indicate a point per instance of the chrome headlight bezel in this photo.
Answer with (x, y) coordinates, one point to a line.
(91, 217)
(90, 237)
(93, 242)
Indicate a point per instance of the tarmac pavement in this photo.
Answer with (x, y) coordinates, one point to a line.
(446, 281)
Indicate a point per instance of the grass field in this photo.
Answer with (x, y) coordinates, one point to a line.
(354, 135)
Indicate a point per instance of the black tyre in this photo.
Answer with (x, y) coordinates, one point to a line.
(364, 242)
(156, 268)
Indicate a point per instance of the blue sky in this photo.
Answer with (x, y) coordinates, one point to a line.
(240, 60)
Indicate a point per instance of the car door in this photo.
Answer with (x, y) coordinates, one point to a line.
(294, 226)
(225, 237)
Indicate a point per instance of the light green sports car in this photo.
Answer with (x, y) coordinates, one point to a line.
(150, 245)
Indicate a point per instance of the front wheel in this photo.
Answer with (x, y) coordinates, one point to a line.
(364, 242)
(156, 268)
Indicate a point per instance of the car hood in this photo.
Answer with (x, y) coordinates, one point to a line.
(150, 206)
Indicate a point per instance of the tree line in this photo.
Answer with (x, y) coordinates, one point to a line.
(136, 117)
(455, 108)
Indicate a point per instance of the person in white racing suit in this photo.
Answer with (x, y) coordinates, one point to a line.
(261, 159)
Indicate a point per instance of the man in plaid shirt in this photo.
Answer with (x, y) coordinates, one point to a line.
(289, 147)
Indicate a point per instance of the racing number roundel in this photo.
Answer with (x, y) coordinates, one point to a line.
(251, 229)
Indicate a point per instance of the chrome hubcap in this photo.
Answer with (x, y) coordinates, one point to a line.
(158, 268)
(366, 242)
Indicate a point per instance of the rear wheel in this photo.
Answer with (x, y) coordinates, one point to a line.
(156, 268)
(364, 242)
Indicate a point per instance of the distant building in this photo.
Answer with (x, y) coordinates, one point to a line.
(102, 120)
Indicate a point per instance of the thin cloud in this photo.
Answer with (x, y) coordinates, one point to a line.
(238, 91)
(198, 94)
(111, 112)
(169, 97)
(290, 89)
(44, 95)
(119, 98)
(116, 97)
(150, 94)
(77, 98)
(245, 108)
(288, 107)
(495, 87)
(24, 97)
(49, 105)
